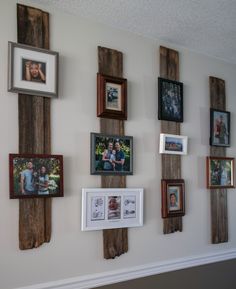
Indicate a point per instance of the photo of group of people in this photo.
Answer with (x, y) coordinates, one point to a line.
(221, 172)
(173, 144)
(36, 176)
(111, 154)
(170, 100)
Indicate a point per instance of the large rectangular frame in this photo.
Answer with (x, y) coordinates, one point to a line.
(17, 54)
(162, 146)
(219, 173)
(113, 138)
(111, 208)
(18, 165)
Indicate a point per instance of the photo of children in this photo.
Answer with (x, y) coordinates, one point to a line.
(33, 70)
(114, 207)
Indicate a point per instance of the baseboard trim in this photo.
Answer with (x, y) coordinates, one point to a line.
(106, 278)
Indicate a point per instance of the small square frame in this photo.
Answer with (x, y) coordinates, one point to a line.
(219, 174)
(219, 128)
(173, 144)
(111, 97)
(173, 198)
(170, 100)
(32, 70)
(111, 208)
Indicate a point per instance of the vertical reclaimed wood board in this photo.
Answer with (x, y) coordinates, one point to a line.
(115, 241)
(171, 164)
(34, 131)
(219, 213)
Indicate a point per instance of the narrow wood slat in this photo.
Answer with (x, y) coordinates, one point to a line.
(34, 131)
(219, 211)
(171, 164)
(115, 241)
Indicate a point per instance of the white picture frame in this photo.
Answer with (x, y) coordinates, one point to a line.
(32, 70)
(173, 144)
(111, 208)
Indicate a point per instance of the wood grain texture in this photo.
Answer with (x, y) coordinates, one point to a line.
(34, 131)
(171, 164)
(219, 212)
(115, 241)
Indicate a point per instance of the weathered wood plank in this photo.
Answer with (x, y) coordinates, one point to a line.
(219, 212)
(34, 131)
(115, 241)
(171, 164)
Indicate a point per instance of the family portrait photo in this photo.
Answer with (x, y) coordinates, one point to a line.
(35, 176)
(111, 208)
(219, 128)
(220, 172)
(111, 97)
(173, 198)
(170, 100)
(111, 154)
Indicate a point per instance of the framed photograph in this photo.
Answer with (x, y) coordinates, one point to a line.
(220, 172)
(35, 175)
(32, 70)
(170, 100)
(111, 154)
(173, 198)
(173, 144)
(111, 208)
(111, 97)
(219, 128)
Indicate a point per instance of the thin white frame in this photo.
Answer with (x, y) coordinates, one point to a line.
(88, 223)
(162, 149)
(16, 53)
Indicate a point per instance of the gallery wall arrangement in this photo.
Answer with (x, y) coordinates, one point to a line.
(171, 114)
(35, 175)
(220, 169)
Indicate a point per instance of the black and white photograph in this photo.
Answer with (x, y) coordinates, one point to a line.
(110, 208)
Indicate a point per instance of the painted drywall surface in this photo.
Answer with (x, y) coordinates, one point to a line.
(74, 253)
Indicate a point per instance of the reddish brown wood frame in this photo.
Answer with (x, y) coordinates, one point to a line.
(13, 195)
(166, 213)
(208, 172)
(102, 111)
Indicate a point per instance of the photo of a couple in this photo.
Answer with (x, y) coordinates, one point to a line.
(35, 176)
(111, 154)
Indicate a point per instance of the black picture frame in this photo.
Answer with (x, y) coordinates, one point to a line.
(219, 128)
(102, 164)
(170, 100)
(27, 170)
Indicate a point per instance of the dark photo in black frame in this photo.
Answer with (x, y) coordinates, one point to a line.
(170, 100)
(219, 128)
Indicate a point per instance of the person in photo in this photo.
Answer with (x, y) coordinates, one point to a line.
(33, 72)
(27, 180)
(43, 181)
(106, 157)
(120, 157)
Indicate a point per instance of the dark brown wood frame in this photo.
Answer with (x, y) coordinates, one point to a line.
(212, 111)
(33, 156)
(165, 183)
(102, 111)
(209, 186)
